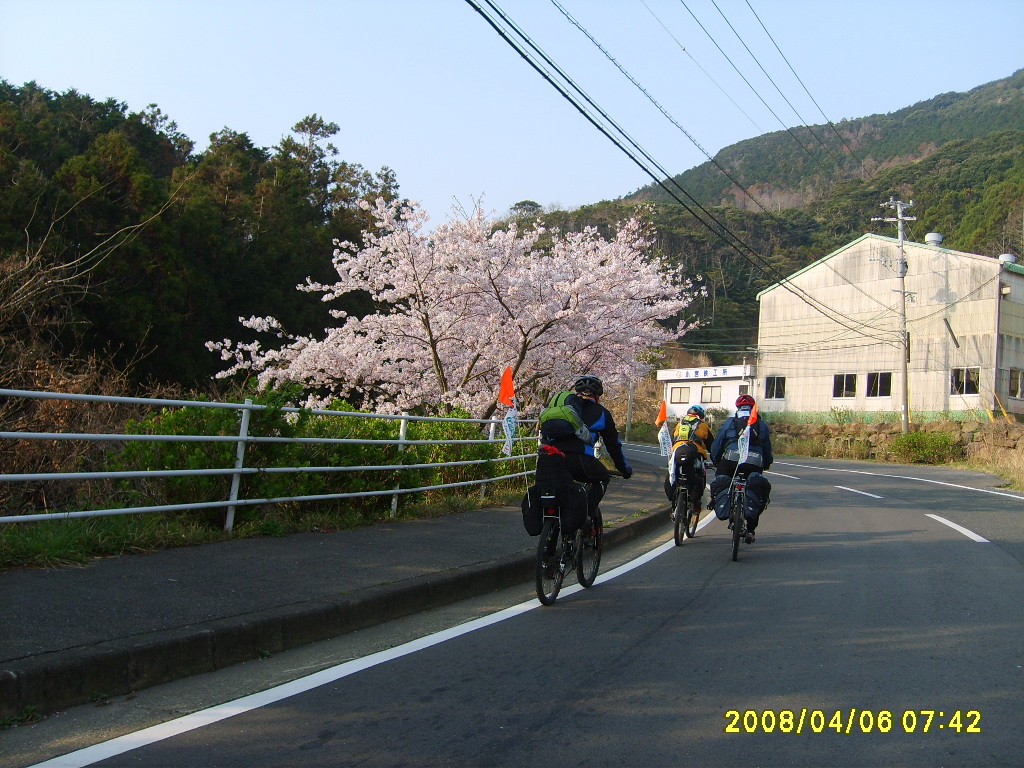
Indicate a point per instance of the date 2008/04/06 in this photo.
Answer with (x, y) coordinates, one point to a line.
(852, 721)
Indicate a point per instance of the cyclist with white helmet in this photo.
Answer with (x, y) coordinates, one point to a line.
(729, 462)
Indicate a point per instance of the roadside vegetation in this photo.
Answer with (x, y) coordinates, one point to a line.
(933, 448)
(64, 542)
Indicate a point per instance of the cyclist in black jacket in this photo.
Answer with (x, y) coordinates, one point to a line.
(578, 456)
(724, 454)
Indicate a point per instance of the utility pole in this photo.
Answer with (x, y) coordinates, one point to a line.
(629, 410)
(901, 271)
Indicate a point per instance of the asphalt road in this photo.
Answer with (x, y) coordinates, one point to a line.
(862, 628)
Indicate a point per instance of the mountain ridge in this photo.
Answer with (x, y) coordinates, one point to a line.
(777, 173)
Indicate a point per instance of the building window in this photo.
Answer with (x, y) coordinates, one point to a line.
(965, 381)
(679, 395)
(711, 394)
(880, 384)
(844, 385)
(774, 387)
(1016, 383)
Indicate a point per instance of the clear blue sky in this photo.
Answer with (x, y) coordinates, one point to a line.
(429, 89)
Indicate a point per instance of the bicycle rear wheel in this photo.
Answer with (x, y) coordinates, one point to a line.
(590, 553)
(682, 509)
(736, 517)
(550, 548)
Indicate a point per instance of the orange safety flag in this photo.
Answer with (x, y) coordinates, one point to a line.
(753, 414)
(662, 414)
(508, 389)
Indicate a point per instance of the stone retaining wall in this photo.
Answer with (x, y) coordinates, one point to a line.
(871, 441)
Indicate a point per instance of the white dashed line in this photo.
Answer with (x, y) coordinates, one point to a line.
(968, 533)
(862, 493)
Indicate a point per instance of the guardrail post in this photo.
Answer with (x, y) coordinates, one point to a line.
(402, 430)
(492, 431)
(236, 478)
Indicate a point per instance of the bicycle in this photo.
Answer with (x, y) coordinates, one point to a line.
(558, 553)
(737, 513)
(684, 517)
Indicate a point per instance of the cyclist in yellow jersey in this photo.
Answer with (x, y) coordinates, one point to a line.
(692, 438)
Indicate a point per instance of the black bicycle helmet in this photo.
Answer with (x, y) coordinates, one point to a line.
(590, 384)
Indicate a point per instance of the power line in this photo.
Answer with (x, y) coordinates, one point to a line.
(795, 112)
(668, 116)
(661, 109)
(662, 177)
(752, 88)
(830, 123)
(709, 77)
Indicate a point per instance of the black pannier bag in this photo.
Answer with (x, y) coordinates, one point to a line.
(553, 477)
(720, 496)
(571, 500)
(685, 456)
(533, 515)
(757, 494)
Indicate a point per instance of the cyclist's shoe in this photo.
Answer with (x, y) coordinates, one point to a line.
(697, 506)
(750, 537)
(730, 525)
(673, 514)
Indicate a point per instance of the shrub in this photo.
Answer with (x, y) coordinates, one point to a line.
(926, 448)
(274, 422)
(643, 433)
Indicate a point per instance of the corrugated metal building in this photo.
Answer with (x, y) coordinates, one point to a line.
(829, 336)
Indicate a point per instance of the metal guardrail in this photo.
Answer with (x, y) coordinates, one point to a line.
(488, 431)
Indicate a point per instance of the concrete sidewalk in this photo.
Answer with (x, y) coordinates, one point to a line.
(117, 625)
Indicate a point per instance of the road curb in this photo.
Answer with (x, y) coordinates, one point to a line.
(53, 681)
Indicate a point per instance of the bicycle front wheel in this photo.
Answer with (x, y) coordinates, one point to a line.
(550, 548)
(590, 553)
(692, 517)
(682, 508)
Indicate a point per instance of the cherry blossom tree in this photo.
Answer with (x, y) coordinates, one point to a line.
(459, 304)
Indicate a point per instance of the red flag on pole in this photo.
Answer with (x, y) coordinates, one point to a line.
(662, 414)
(508, 388)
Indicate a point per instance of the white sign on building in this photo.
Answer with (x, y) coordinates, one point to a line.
(710, 387)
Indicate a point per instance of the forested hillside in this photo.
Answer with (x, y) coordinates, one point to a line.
(959, 157)
(120, 244)
(123, 250)
(781, 169)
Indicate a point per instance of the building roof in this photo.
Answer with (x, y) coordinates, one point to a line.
(895, 241)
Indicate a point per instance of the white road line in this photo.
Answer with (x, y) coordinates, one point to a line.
(773, 472)
(645, 451)
(854, 490)
(968, 533)
(153, 734)
(905, 477)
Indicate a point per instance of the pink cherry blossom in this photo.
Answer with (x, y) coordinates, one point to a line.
(467, 300)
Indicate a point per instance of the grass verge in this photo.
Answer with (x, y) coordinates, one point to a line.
(65, 543)
(1006, 464)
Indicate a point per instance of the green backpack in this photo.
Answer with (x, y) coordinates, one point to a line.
(685, 430)
(563, 417)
